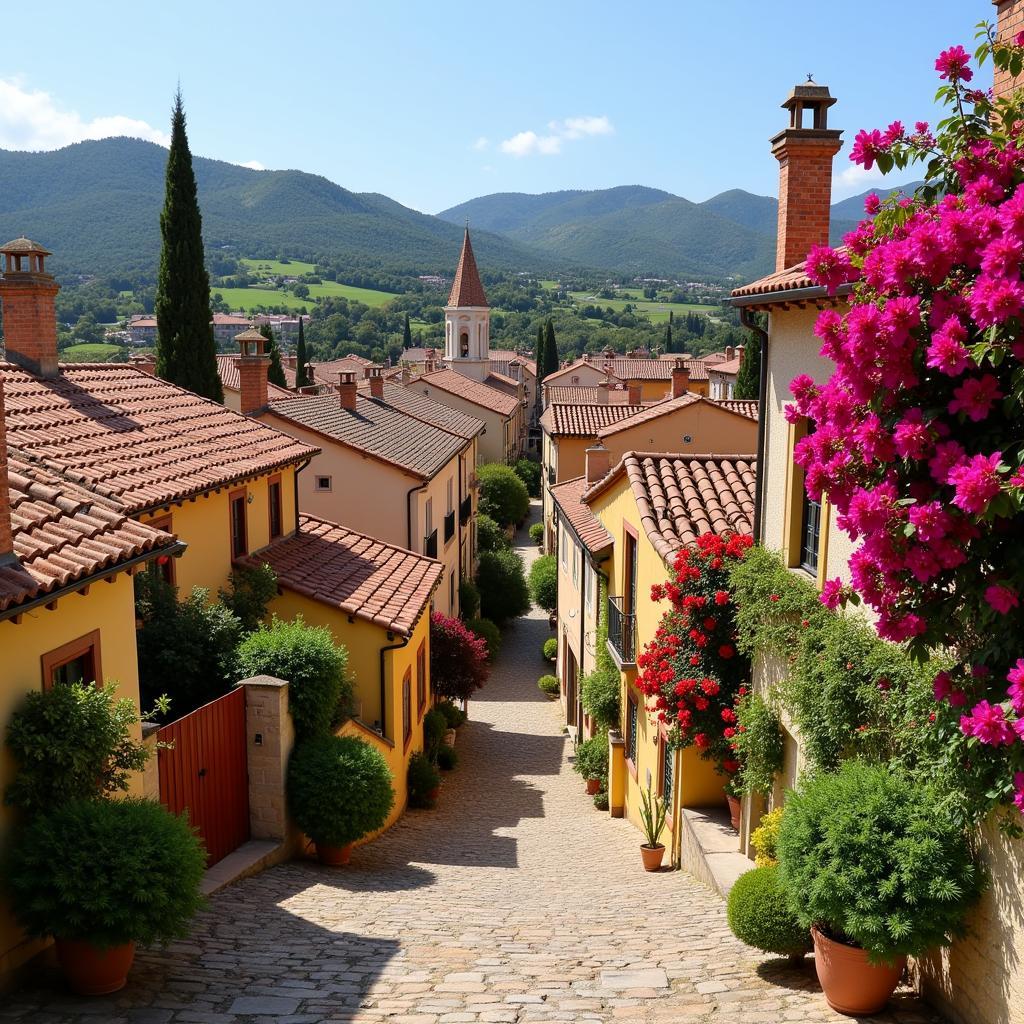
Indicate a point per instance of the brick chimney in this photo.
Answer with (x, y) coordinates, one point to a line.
(367, 371)
(680, 378)
(28, 296)
(347, 389)
(253, 363)
(1010, 21)
(598, 462)
(146, 362)
(6, 536)
(376, 375)
(805, 155)
(634, 394)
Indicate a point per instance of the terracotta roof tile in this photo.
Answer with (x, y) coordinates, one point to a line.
(467, 290)
(419, 407)
(471, 390)
(230, 379)
(583, 420)
(745, 407)
(327, 373)
(583, 394)
(359, 575)
(626, 369)
(500, 358)
(730, 367)
(63, 533)
(132, 437)
(651, 412)
(568, 496)
(785, 280)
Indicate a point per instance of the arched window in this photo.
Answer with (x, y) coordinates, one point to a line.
(464, 345)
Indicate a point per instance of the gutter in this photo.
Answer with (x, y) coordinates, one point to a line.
(762, 419)
(408, 512)
(383, 678)
(295, 486)
(815, 291)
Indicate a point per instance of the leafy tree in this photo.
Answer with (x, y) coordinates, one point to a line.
(490, 536)
(275, 372)
(668, 337)
(458, 658)
(251, 591)
(550, 349)
(748, 380)
(503, 496)
(529, 472)
(538, 350)
(186, 353)
(301, 373)
(544, 582)
(407, 333)
(502, 585)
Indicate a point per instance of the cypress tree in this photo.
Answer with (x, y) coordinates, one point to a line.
(407, 334)
(301, 376)
(538, 356)
(550, 349)
(275, 372)
(668, 336)
(748, 379)
(186, 352)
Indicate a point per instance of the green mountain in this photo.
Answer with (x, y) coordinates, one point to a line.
(97, 206)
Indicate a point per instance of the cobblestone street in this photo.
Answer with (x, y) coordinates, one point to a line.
(514, 901)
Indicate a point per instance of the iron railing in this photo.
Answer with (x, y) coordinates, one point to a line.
(466, 509)
(621, 631)
(449, 526)
(430, 545)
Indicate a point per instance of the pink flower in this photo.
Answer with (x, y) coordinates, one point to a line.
(974, 398)
(1016, 690)
(829, 267)
(976, 482)
(952, 64)
(1018, 39)
(1018, 777)
(987, 723)
(1004, 599)
(866, 148)
(947, 352)
(941, 685)
(872, 204)
(832, 593)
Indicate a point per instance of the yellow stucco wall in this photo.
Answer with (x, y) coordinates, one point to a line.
(108, 607)
(710, 428)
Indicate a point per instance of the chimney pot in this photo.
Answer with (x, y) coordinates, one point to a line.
(253, 363)
(603, 388)
(28, 296)
(347, 390)
(598, 462)
(376, 375)
(146, 362)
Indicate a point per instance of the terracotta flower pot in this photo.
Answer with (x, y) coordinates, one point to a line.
(91, 971)
(734, 811)
(851, 984)
(593, 787)
(652, 856)
(334, 856)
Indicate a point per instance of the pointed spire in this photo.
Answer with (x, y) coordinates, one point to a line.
(467, 289)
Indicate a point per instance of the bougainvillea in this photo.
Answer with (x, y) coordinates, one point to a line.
(918, 436)
(691, 671)
(458, 658)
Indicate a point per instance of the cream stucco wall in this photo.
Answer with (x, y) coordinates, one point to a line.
(710, 429)
(500, 440)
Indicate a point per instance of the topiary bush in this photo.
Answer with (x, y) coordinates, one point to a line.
(458, 658)
(339, 789)
(503, 496)
(489, 633)
(549, 685)
(447, 758)
(599, 692)
(549, 651)
(591, 761)
(490, 536)
(503, 591)
(529, 472)
(319, 694)
(107, 872)
(873, 859)
(758, 914)
(72, 742)
(765, 839)
(537, 533)
(423, 779)
(544, 582)
(601, 800)
(469, 600)
(453, 716)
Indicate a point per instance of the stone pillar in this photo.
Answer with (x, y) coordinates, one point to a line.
(616, 773)
(269, 736)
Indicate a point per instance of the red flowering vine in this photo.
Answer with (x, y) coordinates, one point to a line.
(691, 672)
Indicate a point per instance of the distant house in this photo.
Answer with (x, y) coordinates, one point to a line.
(142, 329)
(722, 375)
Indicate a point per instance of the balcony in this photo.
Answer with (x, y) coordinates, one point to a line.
(430, 545)
(466, 509)
(621, 632)
(449, 526)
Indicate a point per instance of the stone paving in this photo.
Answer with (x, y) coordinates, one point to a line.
(514, 901)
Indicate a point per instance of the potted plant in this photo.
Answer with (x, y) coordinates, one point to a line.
(100, 876)
(591, 761)
(424, 781)
(339, 790)
(652, 816)
(758, 913)
(878, 870)
(733, 789)
(549, 686)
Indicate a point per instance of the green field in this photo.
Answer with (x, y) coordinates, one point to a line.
(331, 289)
(275, 268)
(247, 298)
(92, 352)
(250, 298)
(657, 311)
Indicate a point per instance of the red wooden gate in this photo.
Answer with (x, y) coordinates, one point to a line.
(204, 770)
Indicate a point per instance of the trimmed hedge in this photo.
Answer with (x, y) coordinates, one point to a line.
(758, 914)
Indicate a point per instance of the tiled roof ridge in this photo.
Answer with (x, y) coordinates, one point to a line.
(390, 387)
(504, 404)
(590, 530)
(652, 412)
(689, 456)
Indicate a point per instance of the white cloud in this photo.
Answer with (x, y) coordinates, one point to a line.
(253, 165)
(482, 143)
(31, 119)
(529, 143)
(855, 180)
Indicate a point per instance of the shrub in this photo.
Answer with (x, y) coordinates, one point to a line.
(447, 759)
(529, 472)
(106, 872)
(186, 648)
(503, 495)
(490, 536)
(549, 685)
(503, 592)
(599, 692)
(591, 759)
(423, 779)
(458, 658)
(549, 651)
(469, 600)
(319, 694)
(537, 533)
(758, 914)
(72, 742)
(873, 859)
(339, 789)
(453, 716)
(544, 582)
(490, 634)
(760, 746)
(601, 800)
(435, 725)
(251, 591)
(765, 839)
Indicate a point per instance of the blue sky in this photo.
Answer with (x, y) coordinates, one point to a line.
(433, 104)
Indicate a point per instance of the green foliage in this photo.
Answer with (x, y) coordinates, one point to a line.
(537, 533)
(652, 817)
(186, 648)
(301, 358)
(758, 914)
(549, 685)
(106, 872)
(873, 858)
(551, 362)
(503, 495)
(423, 778)
(275, 371)
(591, 760)
(435, 725)
(599, 691)
(454, 716)
(544, 582)
(490, 633)
(72, 742)
(447, 758)
(339, 789)
(319, 694)
(490, 536)
(469, 600)
(748, 379)
(251, 591)
(760, 746)
(529, 472)
(503, 591)
(186, 353)
(549, 651)
(765, 838)
(601, 800)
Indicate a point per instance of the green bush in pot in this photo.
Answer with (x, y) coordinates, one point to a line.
(759, 915)
(591, 761)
